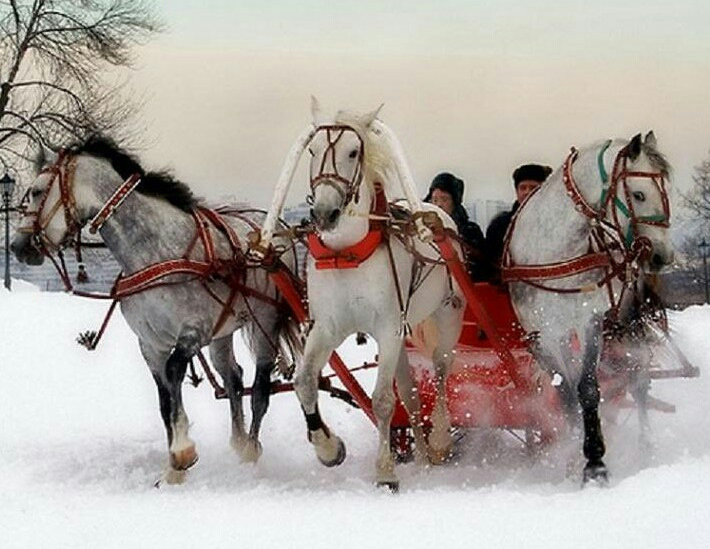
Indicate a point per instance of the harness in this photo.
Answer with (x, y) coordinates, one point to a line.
(209, 268)
(352, 256)
(385, 222)
(610, 249)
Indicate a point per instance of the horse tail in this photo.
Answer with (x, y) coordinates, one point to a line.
(290, 343)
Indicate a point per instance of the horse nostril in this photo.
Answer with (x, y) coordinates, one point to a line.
(657, 260)
(334, 215)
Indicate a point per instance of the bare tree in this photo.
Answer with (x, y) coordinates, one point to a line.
(695, 247)
(55, 57)
(698, 199)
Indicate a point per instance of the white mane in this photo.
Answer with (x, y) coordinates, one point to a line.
(379, 157)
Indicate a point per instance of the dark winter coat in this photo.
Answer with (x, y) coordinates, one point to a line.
(495, 234)
(469, 231)
(473, 243)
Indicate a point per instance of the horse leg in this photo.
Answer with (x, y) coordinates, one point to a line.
(168, 375)
(329, 449)
(383, 402)
(588, 392)
(640, 385)
(440, 440)
(222, 355)
(260, 395)
(409, 394)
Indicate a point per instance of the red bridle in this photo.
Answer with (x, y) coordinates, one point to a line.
(62, 172)
(350, 187)
(610, 202)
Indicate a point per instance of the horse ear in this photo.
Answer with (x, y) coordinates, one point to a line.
(368, 118)
(316, 111)
(44, 156)
(634, 147)
(650, 140)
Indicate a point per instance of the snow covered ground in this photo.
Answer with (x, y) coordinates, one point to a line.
(81, 444)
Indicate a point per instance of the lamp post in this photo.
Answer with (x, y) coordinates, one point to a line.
(704, 248)
(7, 186)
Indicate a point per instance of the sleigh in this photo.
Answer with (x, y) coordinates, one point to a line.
(494, 381)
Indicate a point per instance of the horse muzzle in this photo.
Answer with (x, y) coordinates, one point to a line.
(26, 251)
(325, 218)
(661, 256)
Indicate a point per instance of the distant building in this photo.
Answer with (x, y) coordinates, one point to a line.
(101, 270)
(293, 215)
(482, 211)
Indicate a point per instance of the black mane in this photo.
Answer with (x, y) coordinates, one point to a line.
(159, 184)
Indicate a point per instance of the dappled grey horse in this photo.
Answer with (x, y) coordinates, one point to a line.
(185, 283)
(603, 216)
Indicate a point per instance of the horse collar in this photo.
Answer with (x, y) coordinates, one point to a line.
(352, 256)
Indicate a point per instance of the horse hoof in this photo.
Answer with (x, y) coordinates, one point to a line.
(439, 456)
(391, 485)
(184, 459)
(330, 450)
(251, 451)
(595, 473)
(339, 457)
(171, 476)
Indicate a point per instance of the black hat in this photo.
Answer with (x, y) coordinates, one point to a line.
(448, 183)
(533, 172)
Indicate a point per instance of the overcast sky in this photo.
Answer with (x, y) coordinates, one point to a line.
(472, 87)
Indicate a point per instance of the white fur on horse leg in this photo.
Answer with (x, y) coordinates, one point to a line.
(409, 395)
(383, 401)
(183, 453)
(441, 442)
(251, 451)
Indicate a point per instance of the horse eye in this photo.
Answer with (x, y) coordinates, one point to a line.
(36, 192)
(311, 152)
(353, 153)
(639, 196)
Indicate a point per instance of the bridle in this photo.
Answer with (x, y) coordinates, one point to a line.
(62, 172)
(348, 189)
(611, 203)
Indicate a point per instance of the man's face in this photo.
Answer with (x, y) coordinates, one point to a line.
(525, 187)
(443, 200)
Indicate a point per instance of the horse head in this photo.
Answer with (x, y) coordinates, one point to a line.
(60, 200)
(645, 193)
(338, 164)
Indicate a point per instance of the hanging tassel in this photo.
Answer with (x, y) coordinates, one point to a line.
(405, 329)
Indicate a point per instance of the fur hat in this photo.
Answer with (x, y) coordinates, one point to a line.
(448, 183)
(533, 172)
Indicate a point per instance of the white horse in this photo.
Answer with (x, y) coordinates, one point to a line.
(602, 216)
(377, 286)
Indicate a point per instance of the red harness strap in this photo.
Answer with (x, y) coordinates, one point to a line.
(560, 269)
(352, 256)
(152, 275)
